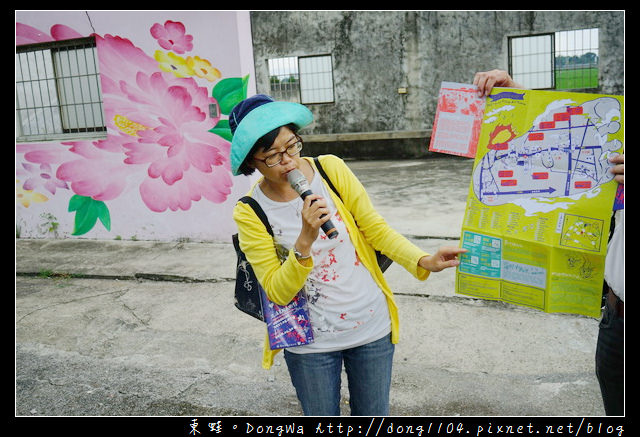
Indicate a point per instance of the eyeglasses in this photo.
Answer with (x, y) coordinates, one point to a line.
(276, 158)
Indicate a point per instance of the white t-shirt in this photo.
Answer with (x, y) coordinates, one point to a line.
(346, 306)
(614, 262)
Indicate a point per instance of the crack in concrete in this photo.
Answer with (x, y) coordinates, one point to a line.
(120, 292)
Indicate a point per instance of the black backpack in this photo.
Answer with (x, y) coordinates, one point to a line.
(248, 291)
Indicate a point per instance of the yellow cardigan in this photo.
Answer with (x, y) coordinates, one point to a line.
(283, 281)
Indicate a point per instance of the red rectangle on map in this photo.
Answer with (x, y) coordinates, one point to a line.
(582, 184)
(547, 125)
(498, 146)
(540, 175)
(561, 116)
(505, 173)
(537, 136)
(509, 182)
(575, 110)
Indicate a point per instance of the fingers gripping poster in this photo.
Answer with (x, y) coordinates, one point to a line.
(540, 200)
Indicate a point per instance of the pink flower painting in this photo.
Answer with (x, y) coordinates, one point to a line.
(160, 137)
(172, 36)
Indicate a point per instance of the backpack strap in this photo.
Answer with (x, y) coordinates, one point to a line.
(259, 212)
(325, 177)
(383, 261)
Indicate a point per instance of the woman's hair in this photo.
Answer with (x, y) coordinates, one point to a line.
(264, 142)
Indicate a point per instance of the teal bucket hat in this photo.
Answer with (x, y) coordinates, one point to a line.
(256, 116)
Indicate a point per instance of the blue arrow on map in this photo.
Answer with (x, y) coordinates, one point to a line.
(538, 191)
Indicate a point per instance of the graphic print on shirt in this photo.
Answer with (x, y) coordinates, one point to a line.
(324, 271)
(344, 303)
(322, 280)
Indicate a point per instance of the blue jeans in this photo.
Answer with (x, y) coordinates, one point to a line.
(316, 378)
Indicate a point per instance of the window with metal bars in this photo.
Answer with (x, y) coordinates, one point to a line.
(58, 93)
(566, 60)
(302, 79)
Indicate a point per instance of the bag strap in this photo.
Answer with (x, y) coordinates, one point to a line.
(259, 212)
(383, 261)
(325, 177)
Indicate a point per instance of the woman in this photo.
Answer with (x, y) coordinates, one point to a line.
(352, 309)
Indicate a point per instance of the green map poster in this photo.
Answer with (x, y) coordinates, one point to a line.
(540, 200)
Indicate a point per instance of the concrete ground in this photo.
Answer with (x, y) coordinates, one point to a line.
(146, 328)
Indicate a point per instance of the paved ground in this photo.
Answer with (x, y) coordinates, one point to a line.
(149, 329)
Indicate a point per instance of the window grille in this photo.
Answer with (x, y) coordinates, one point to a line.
(576, 60)
(58, 93)
(304, 79)
(532, 61)
(284, 79)
(560, 60)
(316, 79)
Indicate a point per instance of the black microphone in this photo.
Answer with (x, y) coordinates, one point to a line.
(299, 183)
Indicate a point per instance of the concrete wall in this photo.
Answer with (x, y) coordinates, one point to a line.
(157, 173)
(376, 52)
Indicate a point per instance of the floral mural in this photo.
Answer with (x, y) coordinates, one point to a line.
(166, 135)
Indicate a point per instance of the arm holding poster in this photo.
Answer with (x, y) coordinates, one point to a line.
(541, 196)
(610, 344)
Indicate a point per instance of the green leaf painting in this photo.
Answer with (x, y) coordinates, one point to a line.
(222, 129)
(88, 211)
(229, 92)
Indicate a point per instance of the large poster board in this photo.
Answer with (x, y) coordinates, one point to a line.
(540, 200)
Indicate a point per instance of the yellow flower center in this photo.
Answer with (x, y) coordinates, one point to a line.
(127, 126)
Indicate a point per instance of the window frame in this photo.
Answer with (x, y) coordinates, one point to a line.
(552, 61)
(312, 102)
(555, 52)
(301, 93)
(52, 116)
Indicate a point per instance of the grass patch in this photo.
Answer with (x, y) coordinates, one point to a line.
(578, 78)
